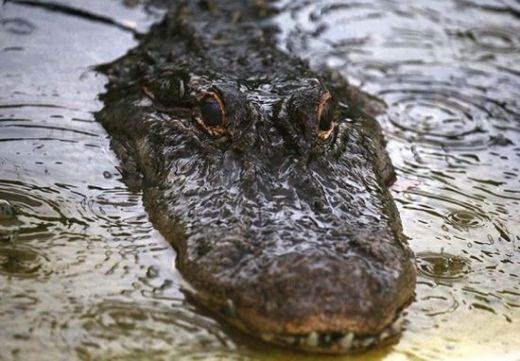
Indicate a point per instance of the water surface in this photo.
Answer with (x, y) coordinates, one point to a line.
(83, 274)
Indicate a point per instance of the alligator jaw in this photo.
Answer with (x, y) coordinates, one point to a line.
(309, 318)
(337, 342)
(340, 341)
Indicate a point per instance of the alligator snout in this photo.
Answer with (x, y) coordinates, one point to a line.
(322, 300)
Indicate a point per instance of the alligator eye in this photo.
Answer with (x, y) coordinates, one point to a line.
(325, 112)
(325, 115)
(166, 90)
(212, 110)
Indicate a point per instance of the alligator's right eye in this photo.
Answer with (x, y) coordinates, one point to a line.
(211, 110)
(165, 89)
(325, 115)
(211, 114)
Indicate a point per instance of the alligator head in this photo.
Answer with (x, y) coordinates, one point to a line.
(269, 183)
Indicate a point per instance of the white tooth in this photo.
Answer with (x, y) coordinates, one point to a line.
(267, 336)
(346, 341)
(181, 89)
(384, 335)
(367, 341)
(398, 324)
(312, 339)
(230, 307)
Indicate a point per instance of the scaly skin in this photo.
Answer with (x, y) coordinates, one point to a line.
(283, 223)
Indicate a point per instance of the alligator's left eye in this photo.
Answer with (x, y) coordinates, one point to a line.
(325, 115)
(211, 110)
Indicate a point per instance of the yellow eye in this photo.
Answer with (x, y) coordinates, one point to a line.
(211, 114)
(212, 110)
(325, 115)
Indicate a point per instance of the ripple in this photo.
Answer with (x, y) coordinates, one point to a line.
(495, 39)
(435, 300)
(434, 116)
(23, 262)
(465, 219)
(136, 327)
(109, 203)
(36, 210)
(23, 301)
(442, 266)
(9, 225)
(7, 211)
(17, 26)
(117, 206)
(441, 117)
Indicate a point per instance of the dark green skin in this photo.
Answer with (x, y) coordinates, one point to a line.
(289, 237)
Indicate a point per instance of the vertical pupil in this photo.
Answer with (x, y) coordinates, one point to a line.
(326, 116)
(211, 112)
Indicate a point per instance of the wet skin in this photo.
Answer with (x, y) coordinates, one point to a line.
(270, 180)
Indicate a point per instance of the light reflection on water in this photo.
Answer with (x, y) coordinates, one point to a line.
(83, 274)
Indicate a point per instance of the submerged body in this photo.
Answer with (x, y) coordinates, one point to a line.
(269, 180)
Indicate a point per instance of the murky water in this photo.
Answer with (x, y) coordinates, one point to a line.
(83, 274)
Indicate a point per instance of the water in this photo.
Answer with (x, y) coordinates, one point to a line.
(83, 274)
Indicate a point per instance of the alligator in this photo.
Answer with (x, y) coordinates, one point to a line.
(269, 179)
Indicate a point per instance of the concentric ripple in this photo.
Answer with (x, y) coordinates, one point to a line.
(465, 219)
(17, 26)
(22, 261)
(7, 211)
(128, 328)
(496, 39)
(444, 107)
(37, 213)
(442, 266)
(421, 116)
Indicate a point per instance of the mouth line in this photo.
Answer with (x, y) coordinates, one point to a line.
(337, 341)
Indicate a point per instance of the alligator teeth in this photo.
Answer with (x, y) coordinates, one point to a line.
(367, 341)
(346, 341)
(386, 334)
(312, 339)
(181, 89)
(229, 308)
(398, 324)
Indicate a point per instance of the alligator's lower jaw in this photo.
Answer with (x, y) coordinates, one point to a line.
(337, 342)
(360, 337)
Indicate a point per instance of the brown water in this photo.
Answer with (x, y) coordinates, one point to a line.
(83, 274)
